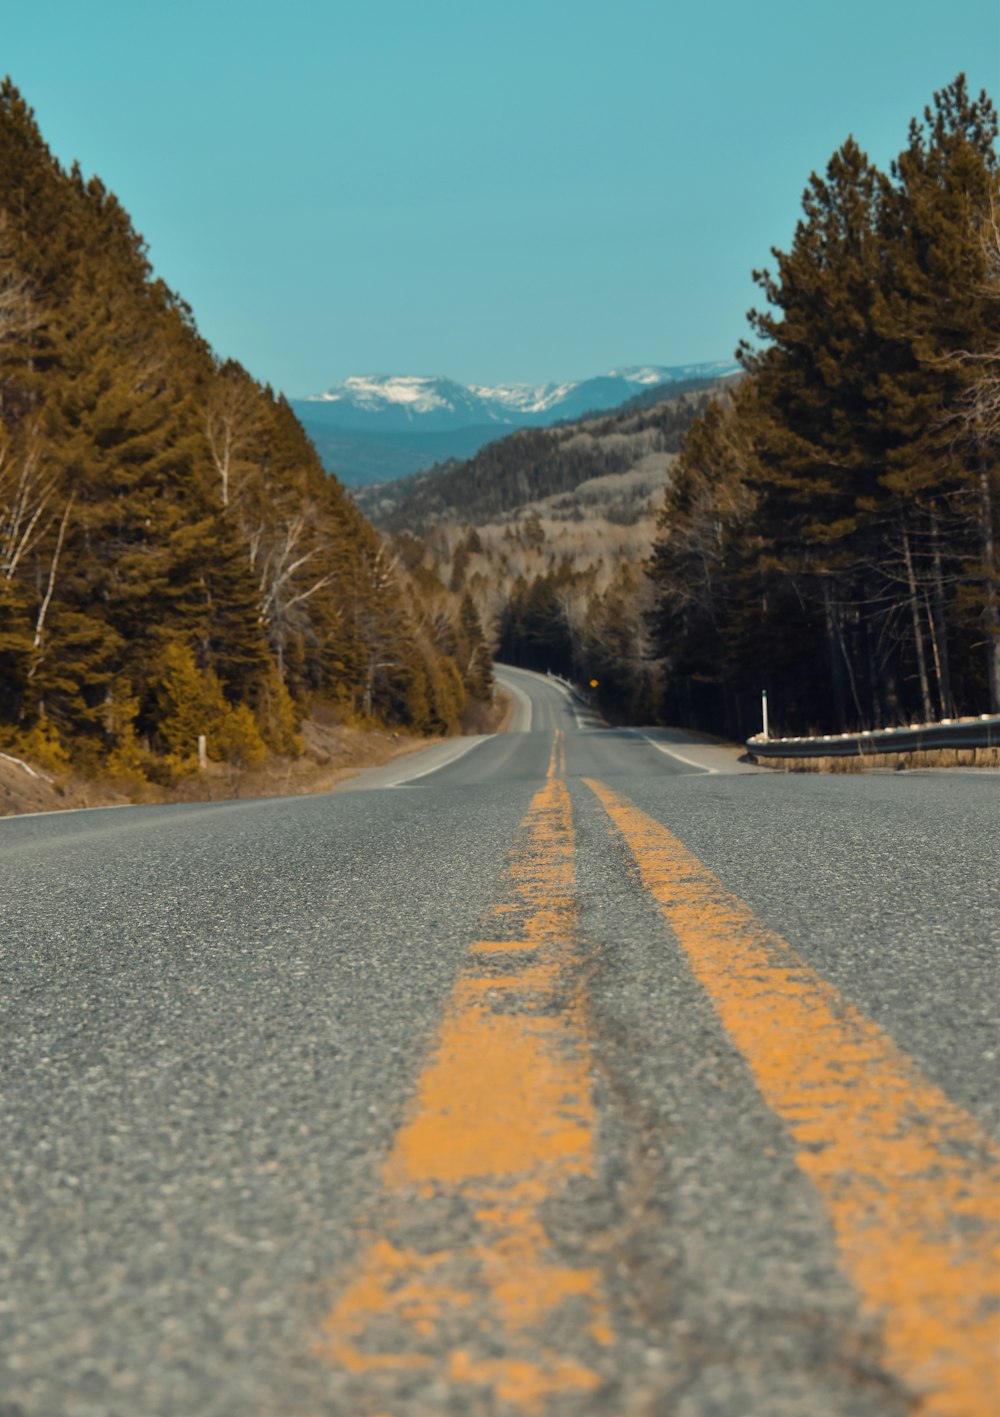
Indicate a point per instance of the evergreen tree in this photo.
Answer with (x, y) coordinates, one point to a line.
(937, 323)
(819, 449)
(477, 672)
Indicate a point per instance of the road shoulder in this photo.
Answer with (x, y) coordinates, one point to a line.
(699, 751)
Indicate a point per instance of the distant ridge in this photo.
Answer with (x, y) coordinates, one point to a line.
(620, 456)
(379, 427)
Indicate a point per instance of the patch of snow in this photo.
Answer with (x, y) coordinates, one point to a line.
(648, 374)
(526, 398)
(420, 393)
(644, 374)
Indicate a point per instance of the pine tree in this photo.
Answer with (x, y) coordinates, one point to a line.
(819, 448)
(476, 661)
(708, 603)
(937, 322)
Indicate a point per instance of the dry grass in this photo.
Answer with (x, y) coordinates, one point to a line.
(333, 754)
(918, 758)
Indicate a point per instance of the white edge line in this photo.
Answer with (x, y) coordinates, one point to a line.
(679, 756)
(525, 702)
(439, 767)
(70, 811)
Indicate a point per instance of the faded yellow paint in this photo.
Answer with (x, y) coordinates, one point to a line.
(502, 1121)
(495, 947)
(557, 759)
(910, 1181)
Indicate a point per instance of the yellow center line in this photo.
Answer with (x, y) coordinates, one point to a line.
(557, 760)
(461, 1283)
(910, 1181)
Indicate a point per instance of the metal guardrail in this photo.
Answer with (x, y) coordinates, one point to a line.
(981, 732)
(569, 686)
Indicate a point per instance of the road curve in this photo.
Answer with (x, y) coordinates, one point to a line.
(572, 1070)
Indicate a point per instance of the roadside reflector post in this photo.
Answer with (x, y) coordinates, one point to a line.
(202, 752)
(763, 711)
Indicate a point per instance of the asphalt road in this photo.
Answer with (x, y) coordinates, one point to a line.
(568, 1071)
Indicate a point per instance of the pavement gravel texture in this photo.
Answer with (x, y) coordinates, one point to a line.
(216, 1019)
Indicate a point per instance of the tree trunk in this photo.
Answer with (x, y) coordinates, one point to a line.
(991, 601)
(43, 609)
(918, 632)
(855, 696)
(939, 627)
(834, 648)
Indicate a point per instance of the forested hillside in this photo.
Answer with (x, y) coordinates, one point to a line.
(546, 533)
(536, 463)
(173, 559)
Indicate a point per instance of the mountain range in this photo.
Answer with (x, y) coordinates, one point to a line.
(379, 427)
(607, 465)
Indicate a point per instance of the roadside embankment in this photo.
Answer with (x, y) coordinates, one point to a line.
(333, 754)
(865, 762)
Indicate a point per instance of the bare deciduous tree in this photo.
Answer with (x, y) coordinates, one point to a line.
(233, 423)
(26, 493)
(278, 554)
(43, 608)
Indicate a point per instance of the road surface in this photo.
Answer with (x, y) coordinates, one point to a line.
(568, 1071)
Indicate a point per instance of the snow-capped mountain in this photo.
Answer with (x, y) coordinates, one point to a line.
(401, 399)
(432, 403)
(377, 427)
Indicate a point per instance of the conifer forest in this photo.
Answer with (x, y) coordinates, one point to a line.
(173, 559)
(831, 529)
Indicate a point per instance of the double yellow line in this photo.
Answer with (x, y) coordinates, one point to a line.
(458, 1282)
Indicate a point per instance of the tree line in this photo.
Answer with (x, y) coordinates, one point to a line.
(831, 530)
(173, 558)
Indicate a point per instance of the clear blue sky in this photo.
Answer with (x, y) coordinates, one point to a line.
(532, 189)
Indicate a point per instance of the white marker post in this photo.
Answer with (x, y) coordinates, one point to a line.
(763, 710)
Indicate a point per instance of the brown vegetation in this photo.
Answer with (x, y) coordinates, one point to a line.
(866, 762)
(332, 755)
(332, 752)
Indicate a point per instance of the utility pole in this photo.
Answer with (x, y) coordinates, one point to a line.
(763, 710)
